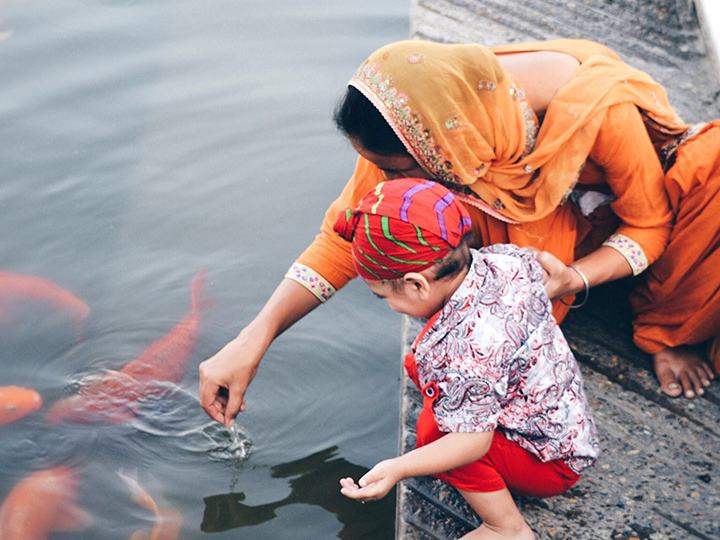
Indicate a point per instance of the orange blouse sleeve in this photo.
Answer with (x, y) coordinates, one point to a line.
(326, 264)
(634, 175)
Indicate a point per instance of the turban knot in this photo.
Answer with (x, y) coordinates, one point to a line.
(346, 223)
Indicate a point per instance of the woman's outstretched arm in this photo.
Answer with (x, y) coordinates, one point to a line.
(225, 377)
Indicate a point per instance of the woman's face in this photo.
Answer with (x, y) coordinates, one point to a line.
(393, 166)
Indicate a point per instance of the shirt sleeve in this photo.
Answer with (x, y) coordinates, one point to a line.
(329, 257)
(624, 151)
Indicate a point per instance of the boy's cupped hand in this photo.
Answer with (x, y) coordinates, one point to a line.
(375, 484)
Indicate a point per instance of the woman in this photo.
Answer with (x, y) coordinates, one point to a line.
(552, 145)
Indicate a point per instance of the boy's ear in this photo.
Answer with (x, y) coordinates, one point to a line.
(418, 283)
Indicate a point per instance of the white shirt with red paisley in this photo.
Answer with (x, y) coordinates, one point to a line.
(499, 360)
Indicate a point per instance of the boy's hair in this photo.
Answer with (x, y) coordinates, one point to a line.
(456, 261)
(451, 265)
(404, 225)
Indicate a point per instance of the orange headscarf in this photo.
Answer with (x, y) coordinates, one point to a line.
(463, 119)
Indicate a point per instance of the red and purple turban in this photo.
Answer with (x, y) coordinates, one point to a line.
(401, 226)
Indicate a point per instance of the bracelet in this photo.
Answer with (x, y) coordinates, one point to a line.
(587, 289)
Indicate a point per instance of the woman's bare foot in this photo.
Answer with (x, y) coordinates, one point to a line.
(682, 370)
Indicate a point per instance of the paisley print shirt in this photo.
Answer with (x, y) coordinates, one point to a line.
(498, 359)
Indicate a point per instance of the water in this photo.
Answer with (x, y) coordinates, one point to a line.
(142, 141)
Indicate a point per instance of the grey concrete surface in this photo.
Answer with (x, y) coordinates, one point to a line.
(709, 17)
(658, 476)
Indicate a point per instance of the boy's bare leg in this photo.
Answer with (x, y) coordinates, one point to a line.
(501, 517)
(682, 370)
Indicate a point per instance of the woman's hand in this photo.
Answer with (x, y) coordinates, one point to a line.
(375, 484)
(601, 266)
(225, 377)
(559, 279)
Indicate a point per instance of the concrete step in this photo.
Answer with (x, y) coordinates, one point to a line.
(658, 476)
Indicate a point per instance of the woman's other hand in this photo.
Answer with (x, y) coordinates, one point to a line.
(603, 265)
(559, 279)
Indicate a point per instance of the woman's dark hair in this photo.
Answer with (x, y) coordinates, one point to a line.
(356, 117)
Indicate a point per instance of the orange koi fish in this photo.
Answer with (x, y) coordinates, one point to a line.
(113, 397)
(16, 402)
(168, 520)
(41, 504)
(22, 288)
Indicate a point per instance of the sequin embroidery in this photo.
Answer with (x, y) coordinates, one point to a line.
(531, 123)
(487, 86)
(452, 123)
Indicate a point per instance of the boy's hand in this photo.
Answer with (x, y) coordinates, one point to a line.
(374, 485)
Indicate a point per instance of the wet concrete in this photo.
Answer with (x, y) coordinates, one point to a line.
(658, 476)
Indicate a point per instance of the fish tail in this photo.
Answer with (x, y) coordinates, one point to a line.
(199, 302)
(138, 493)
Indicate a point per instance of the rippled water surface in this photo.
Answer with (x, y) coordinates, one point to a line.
(141, 142)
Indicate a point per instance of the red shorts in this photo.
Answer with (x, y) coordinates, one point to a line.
(506, 464)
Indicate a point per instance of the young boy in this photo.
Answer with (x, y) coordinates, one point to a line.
(504, 408)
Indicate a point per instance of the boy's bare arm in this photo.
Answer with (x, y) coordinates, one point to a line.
(448, 452)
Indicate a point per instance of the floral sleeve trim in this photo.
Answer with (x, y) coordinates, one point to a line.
(629, 249)
(311, 280)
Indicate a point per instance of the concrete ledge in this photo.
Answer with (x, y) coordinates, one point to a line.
(658, 477)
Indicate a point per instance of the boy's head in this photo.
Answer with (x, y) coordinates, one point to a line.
(407, 230)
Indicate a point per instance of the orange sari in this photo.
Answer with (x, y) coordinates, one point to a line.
(678, 303)
(466, 121)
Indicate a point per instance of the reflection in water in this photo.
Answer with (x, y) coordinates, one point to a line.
(315, 481)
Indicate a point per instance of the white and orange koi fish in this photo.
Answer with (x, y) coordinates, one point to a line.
(41, 504)
(168, 520)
